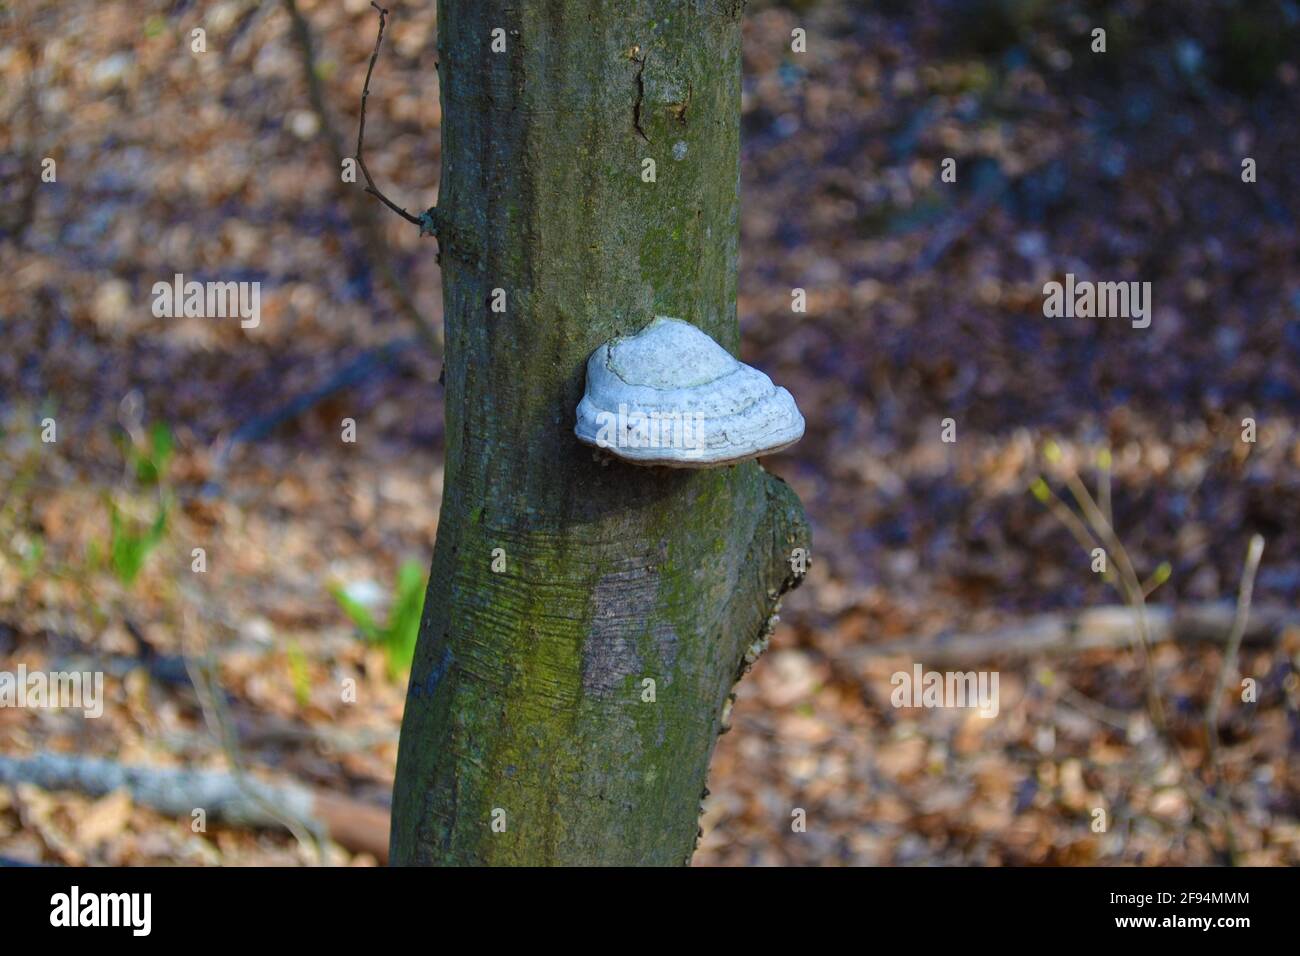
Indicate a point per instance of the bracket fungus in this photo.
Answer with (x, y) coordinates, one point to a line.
(672, 396)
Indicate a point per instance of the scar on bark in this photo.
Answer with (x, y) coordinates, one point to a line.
(634, 55)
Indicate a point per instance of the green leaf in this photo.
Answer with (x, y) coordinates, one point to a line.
(152, 466)
(358, 612)
(404, 619)
(298, 674)
(31, 558)
(129, 548)
(399, 634)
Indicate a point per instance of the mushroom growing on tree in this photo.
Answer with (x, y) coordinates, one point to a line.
(672, 396)
(585, 619)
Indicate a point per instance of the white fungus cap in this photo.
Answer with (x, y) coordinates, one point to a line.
(672, 396)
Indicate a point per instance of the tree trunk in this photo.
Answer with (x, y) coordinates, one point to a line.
(531, 735)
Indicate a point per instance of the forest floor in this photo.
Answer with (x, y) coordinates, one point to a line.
(924, 303)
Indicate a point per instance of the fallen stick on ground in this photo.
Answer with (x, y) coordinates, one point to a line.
(257, 733)
(177, 792)
(1103, 627)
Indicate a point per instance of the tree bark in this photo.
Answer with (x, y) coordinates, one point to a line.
(528, 705)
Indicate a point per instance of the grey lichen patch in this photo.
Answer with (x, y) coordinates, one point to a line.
(620, 644)
(666, 643)
(665, 87)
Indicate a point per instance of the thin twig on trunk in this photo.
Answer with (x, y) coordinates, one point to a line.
(361, 129)
(374, 245)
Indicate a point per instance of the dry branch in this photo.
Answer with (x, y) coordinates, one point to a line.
(1103, 627)
(426, 222)
(374, 245)
(175, 792)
